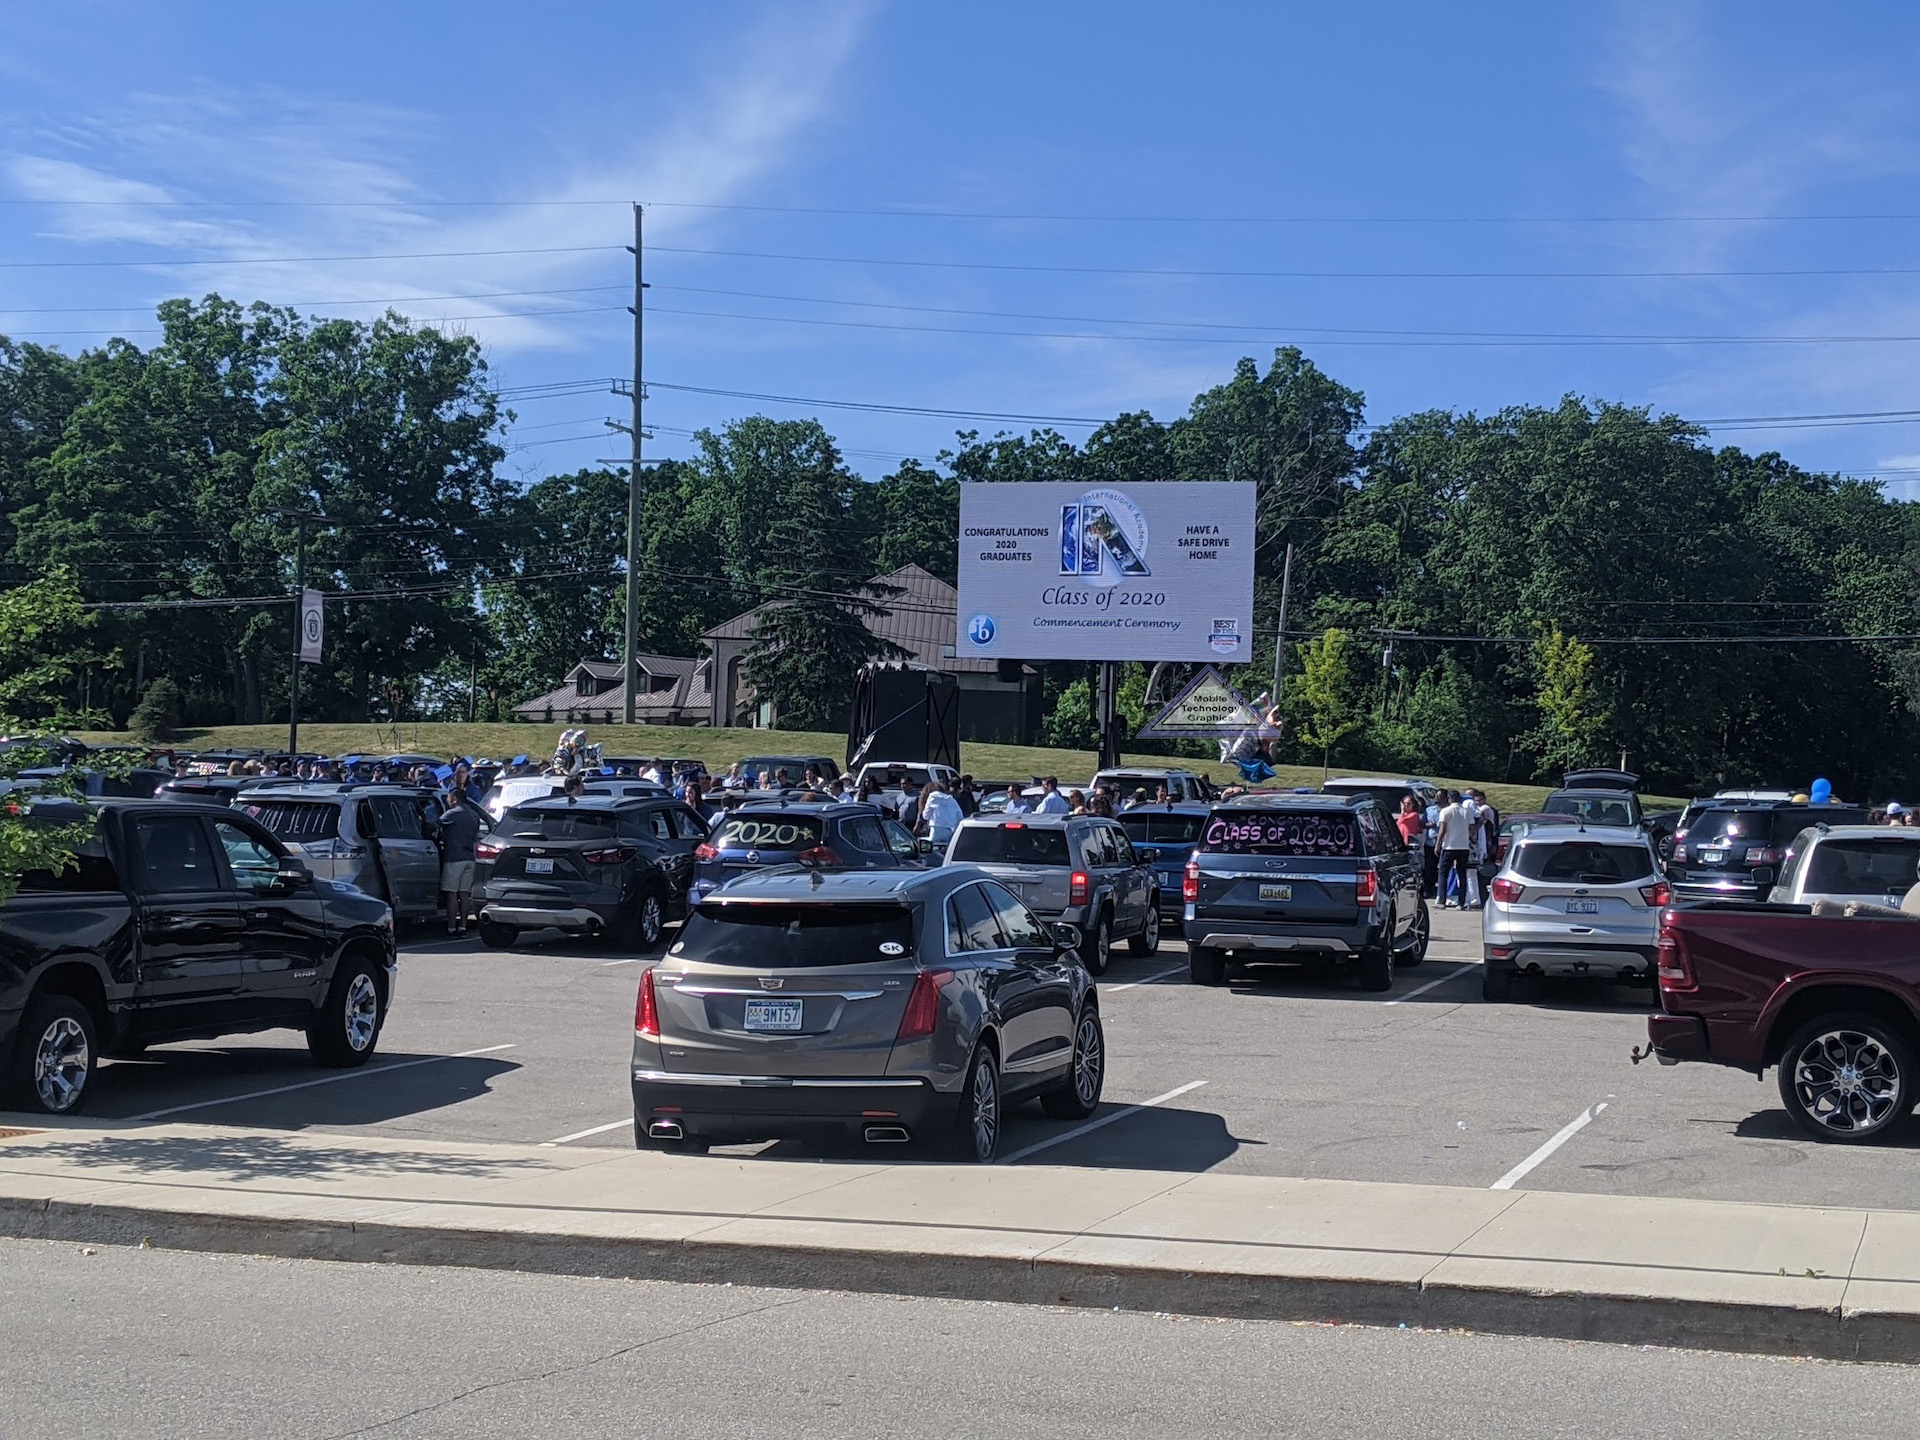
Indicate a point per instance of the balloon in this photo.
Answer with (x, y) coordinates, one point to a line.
(1822, 792)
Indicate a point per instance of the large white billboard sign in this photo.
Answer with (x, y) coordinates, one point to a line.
(1107, 572)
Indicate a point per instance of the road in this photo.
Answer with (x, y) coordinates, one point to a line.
(1291, 1074)
(107, 1342)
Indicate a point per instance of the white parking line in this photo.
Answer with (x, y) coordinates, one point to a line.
(583, 1134)
(1144, 980)
(1432, 985)
(631, 960)
(309, 1084)
(1567, 1132)
(1092, 1125)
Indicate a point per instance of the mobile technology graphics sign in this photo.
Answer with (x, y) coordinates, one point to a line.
(1107, 572)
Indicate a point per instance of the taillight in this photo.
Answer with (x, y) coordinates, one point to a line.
(923, 1005)
(483, 850)
(1366, 887)
(705, 852)
(1657, 894)
(1079, 887)
(819, 855)
(1761, 855)
(1676, 971)
(611, 855)
(1506, 891)
(646, 1013)
(1190, 882)
(1500, 855)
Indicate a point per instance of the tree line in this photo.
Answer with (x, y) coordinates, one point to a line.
(1483, 595)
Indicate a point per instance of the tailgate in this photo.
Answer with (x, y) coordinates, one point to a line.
(1234, 887)
(825, 1022)
(1042, 887)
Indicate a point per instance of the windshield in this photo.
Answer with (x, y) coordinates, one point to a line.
(1594, 809)
(1012, 844)
(1146, 828)
(1583, 862)
(296, 819)
(1283, 832)
(1717, 826)
(1863, 867)
(796, 937)
(556, 825)
(768, 832)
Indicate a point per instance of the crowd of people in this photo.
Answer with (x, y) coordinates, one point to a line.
(1459, 830)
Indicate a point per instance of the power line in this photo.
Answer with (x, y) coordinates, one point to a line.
(303, 259)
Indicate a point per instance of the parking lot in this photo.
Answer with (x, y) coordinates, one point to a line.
(1292, 1073)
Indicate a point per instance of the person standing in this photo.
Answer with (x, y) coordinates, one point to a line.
(459, 835)
(1412, 825)
(1016, 802)
(969, 802)
(941, 814)
(1052, 802)
(1456, 843)
(907, 805)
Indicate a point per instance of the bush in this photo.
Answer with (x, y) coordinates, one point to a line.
(158, 715)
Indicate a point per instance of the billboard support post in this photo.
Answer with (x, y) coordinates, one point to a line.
(1108, 717)
(1280, 635)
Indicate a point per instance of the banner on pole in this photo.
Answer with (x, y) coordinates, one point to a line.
(1208, 709)
(313, 626)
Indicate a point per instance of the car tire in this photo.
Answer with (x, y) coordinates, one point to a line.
(1147, 942)
(55, 1055)
(640, 927)
(1206, 965)
(1416, 949)
(1078, 1096)
(1828, 1102)
(346, 1029)
(1374, 965)
(976, 1127)
(1496, 983)
(496, 936)
(1097, 948)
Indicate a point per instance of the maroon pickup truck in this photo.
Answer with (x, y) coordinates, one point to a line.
(1829, 993)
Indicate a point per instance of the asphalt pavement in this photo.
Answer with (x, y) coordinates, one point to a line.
(112, 1341)
(1293, 1073)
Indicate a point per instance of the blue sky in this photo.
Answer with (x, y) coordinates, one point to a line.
(1058, 209)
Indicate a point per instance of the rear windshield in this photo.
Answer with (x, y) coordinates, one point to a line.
(1011, 845)
(1283, 832)
(1863, 867)
(1389, 796)
(1594, 809)
(1754, 826)
(1584, 861)
(1150, 829)
(556, 825)
(768, 832)
(796, 937)
(89, 872)
(296, 819)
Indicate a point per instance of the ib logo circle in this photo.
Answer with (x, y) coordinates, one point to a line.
(981, 629)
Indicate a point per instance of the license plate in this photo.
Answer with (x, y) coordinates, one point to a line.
(1583, 907)
(539, 867)
(1276, 892)
(1712, 857)
(773, 1015)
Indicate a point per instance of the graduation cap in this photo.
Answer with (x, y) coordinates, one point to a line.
(519, 759)
(443, 772)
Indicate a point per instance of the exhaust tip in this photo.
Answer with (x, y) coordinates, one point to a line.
(665, 1130)
(886, 1134)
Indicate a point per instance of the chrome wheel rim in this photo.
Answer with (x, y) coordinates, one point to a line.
(1089, 1058)
(986, 1108)
(1847, 1082)
(1153, 926)
(1103, 942)
(61, 1063)
(1422, 923)
(650, 919)
(362, 1011)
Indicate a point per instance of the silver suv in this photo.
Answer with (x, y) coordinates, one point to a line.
(1876, 864)
(1078, 870)
(1573, 900)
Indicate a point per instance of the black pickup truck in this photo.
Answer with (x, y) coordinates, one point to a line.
(179, 922)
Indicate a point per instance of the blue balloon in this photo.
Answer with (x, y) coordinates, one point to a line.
(1822, 792)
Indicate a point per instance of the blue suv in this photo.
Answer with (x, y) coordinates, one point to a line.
(1165, 836)
(841, 835)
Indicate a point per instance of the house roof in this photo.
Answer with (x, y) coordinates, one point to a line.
(690, 694)
(920, 619)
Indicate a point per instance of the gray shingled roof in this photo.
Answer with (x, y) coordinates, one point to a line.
(920, 619)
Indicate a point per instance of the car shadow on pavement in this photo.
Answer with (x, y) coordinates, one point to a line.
(1778, 1125)
(235, 1159)
(223, 1086)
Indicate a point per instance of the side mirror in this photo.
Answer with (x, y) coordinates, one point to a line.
(925, 845)
(1065, 936)
(296, 877)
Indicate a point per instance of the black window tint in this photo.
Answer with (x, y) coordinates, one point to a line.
(396, 818)
(254, 865)
(658, 825)
(970, 918)
(863, 833)
(175, 856)
(1121, 846)
(1376, 831)
(1584, 861)
(795, 937)
(297, 820)
(1863, 867)
(632, 827)
(556, 825)
(90, 871)
(1013, 844)
(1017, 924)
(899, 841)
(1594, 809)
(1147, 828)
(687, 825)
(1282, 832)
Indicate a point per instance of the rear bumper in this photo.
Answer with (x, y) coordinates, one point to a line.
(1255, 940)
(1719, 890)
(1601, 958)
(526, 913)
(1674, 1038)
(765, 1107)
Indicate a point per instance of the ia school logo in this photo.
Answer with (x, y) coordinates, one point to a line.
(981, 629)
(1103, 538)
(1225, 636)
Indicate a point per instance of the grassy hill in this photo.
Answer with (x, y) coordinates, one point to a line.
(719, 748)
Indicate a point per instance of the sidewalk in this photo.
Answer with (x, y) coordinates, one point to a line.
(1701, 1274)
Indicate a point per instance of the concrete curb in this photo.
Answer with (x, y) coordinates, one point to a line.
(1826, 1332)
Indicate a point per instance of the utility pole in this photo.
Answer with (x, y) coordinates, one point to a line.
(301, 519)
(633, 479)
(1280, 635)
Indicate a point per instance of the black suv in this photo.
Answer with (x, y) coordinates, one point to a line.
(1295, 879)
(1733, 851)
(599, 865)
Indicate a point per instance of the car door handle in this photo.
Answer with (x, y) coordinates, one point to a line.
(260, 914)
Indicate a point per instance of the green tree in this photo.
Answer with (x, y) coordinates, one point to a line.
(913, 517)
(1573, 719)
(157, 716)
(43, 645)
(1325, 695)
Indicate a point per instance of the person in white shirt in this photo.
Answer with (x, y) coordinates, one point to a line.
(1456, 825)
(940, 815)
(1016, 802)
(1052, 802)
